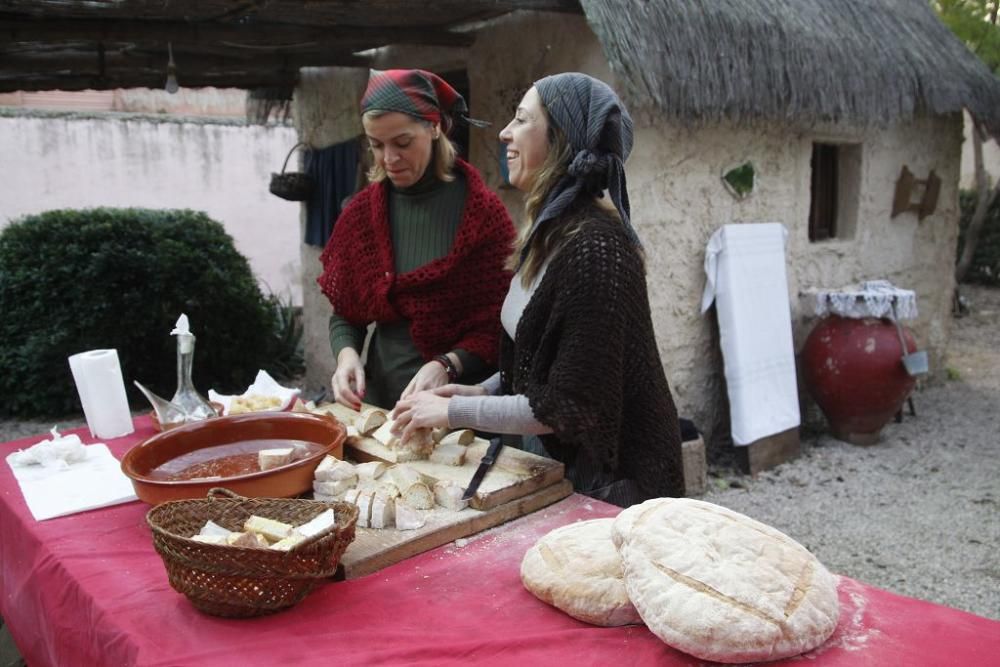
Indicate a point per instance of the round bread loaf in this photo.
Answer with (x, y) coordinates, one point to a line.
(720, 586)
(576, 568)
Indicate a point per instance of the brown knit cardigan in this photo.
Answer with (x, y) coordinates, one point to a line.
(586, 357)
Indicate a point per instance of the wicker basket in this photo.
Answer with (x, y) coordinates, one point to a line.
(240, 582)
(293, 185)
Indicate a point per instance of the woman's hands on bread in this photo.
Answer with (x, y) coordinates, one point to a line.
(421, 410)
(428, 409)
(430, 376)
(348, 380)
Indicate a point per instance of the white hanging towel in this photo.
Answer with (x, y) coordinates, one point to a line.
(745, 276)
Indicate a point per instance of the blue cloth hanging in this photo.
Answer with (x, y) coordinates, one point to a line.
(334, 170)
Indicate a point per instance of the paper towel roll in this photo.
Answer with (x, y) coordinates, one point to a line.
(98, 377)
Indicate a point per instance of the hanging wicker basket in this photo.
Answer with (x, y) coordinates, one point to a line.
(292, 185)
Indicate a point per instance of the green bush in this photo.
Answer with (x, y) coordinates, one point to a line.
(75, 280)
(985, 267)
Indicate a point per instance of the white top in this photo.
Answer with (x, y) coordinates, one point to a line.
(501, 414)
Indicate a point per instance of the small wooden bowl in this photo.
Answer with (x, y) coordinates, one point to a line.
(283, 482)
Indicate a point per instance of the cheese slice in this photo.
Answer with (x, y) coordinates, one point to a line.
(321, 522)
(273, 458)
(287, 543)
(213, 529)
(269, 528)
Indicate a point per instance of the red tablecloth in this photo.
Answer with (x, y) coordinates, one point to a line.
(88, 589)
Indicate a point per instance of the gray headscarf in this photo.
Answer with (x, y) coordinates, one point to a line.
(599, 131)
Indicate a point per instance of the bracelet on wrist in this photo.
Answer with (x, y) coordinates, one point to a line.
(449, 366)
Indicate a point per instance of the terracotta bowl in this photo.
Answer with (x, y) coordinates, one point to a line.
(283, 482)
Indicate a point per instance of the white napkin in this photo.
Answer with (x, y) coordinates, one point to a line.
(95, 481)
(263, 385)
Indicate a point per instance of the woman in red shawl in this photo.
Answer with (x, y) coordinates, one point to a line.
(420, 252)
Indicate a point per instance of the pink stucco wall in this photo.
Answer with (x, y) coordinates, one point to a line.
(52, 160)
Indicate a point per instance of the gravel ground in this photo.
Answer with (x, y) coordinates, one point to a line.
(917, 514)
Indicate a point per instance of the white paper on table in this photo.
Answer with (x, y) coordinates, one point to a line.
(263, 385)
(97, 481)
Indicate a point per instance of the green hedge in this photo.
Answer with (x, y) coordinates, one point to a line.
(75, 280)
(985, 267)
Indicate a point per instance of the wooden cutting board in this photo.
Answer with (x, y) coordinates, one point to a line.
(517, 484)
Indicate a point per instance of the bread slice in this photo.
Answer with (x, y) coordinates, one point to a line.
(369, 420)
(332, 469)
(383, 512)
(365, 508)
(370, 471)
(247, 540)
(462, 437)
(408, 518)
(448, 494)
(210, 539)
(335, 489)
(419, 496)
(349, 496)
(404, 476)
(449, 455)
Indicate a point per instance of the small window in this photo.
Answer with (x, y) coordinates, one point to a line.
(836, 174)
(740, 180)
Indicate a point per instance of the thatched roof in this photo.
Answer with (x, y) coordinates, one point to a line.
(861, 61)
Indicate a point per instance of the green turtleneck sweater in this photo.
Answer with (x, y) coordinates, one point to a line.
(423, 220)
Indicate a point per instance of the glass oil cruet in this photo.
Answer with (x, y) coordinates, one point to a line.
(191, 403)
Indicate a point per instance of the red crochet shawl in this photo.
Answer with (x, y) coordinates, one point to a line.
(451, 302)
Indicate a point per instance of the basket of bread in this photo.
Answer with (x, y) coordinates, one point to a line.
(241, 557)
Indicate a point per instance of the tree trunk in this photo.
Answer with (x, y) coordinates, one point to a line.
(984, 198)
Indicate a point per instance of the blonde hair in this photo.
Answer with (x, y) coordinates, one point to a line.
(443, 152)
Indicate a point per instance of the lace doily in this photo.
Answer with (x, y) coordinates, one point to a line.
(874, 298)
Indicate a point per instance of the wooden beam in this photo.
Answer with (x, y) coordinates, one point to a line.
(111, 81)
(260, 33)
(89, 60)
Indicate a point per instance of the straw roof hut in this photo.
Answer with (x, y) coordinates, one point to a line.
(801, 61)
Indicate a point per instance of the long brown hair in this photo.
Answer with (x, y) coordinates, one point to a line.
(547, 240)
(442, 158)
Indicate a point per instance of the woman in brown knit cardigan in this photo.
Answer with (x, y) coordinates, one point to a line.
(579, 366)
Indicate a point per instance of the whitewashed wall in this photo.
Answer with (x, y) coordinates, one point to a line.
(678, 200)
(68, 160)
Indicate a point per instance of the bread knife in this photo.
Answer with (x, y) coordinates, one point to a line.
(484, 464)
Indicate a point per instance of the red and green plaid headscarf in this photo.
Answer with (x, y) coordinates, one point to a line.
(417, 93)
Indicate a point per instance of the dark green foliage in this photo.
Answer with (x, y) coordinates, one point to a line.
(985, 267)
(75, 280)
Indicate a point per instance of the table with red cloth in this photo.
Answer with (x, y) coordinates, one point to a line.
(89, 589)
